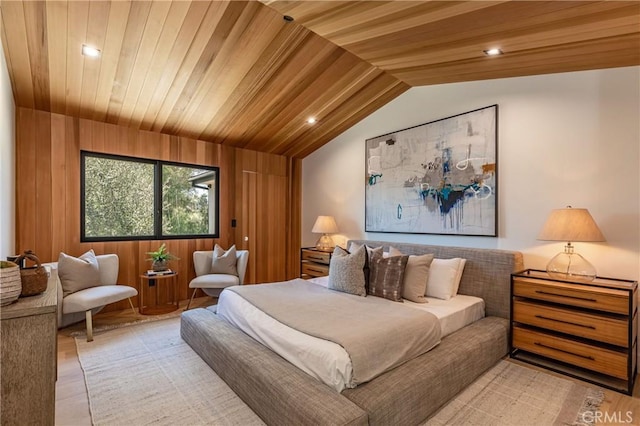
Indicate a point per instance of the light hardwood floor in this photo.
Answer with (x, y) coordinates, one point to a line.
(72, 404)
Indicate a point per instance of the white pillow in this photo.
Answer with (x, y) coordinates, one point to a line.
(444, 277)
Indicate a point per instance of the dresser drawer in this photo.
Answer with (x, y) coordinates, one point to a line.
(316, 256)
(594, 358)
(315, 269)
(589, 326)
(598, 298)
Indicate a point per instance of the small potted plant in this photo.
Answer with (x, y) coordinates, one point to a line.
(160, 258)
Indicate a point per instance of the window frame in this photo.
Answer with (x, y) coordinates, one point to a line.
(157, 193)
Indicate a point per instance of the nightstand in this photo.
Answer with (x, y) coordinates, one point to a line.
(583, 329)
(314, 262)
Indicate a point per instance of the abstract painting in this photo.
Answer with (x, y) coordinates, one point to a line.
(435, 178)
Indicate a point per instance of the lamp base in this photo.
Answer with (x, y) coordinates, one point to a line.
(571, 266)
(325, 243)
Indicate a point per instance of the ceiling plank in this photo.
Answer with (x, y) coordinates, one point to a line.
(18, 48)
(36, 26)
(255, 30)
(170, 34)
(77, 18)
(184, 42)
(136, 22)
(145, 55)
(116, 26)
(618, 51)
(167, 100)
(57, 53)
(96, 34)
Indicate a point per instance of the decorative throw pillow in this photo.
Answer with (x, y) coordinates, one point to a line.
(345, 271)
(387, 276)
(78, 273)
(224, 262)
(366, 269)
(416, 276)
(444, 277)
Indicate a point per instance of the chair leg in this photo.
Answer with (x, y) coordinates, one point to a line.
(89, 326)
(132, 308)
(191, 300)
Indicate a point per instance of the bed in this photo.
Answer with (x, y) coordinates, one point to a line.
(281, 393)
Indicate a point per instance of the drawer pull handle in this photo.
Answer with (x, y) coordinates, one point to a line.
(562, 350)
(565, 322)
(316, 270)
(315, 258)
(564, 295)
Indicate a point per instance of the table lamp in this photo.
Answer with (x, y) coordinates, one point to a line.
(325, 225)
(570, 225)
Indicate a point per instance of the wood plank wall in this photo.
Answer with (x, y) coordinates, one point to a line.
(255, 189)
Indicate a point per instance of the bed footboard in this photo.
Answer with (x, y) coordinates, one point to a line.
(415, 390)
(277, 392)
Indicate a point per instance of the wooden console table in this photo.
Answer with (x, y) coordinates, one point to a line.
(28, 349)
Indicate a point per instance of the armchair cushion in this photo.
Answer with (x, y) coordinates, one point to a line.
(224, 262)
(78, 273)
(214, 281)
(94, 297)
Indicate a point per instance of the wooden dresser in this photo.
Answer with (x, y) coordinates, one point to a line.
(584, 329)
(314, 262)
(28, 352)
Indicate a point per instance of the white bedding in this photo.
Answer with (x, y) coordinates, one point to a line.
(322, 359)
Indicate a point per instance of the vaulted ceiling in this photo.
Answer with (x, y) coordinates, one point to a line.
(237, 73)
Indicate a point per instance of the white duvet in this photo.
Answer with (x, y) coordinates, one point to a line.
(322, 359)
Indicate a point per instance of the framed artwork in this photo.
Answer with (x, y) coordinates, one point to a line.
(435, 178)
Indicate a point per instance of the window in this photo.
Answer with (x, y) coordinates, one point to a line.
(126, 198)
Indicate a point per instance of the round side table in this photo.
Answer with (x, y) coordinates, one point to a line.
(169, 282)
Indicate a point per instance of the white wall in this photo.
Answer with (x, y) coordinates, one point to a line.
(564, 139)
(7, 163)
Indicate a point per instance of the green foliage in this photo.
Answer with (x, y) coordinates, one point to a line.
(118, 198)
(185, 208)
(161, 255)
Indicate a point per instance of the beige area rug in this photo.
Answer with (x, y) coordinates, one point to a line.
(510, 394)
(100, 328)
(146, 374)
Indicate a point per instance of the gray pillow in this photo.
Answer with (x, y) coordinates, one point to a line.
(224, 262)
(416, 276)
(371, 252)
(345, 271)
(387, 277)
(78, 273)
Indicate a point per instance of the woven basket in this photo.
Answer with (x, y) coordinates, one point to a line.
(34, 280)
(10, 283)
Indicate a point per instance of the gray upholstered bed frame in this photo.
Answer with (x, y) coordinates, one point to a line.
(281, 394)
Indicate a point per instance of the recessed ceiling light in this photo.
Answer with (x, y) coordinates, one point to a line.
(492, 52)
(90, 51)
(311, 120)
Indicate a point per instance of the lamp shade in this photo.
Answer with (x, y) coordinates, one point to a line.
(325, 225)
(570, 224)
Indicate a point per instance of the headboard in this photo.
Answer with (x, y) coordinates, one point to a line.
(487, 273)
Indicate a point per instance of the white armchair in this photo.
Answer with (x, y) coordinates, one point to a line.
(213, 284)
(82, 304)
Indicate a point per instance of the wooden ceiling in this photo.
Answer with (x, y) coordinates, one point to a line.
(431, 42)
(236, 73)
